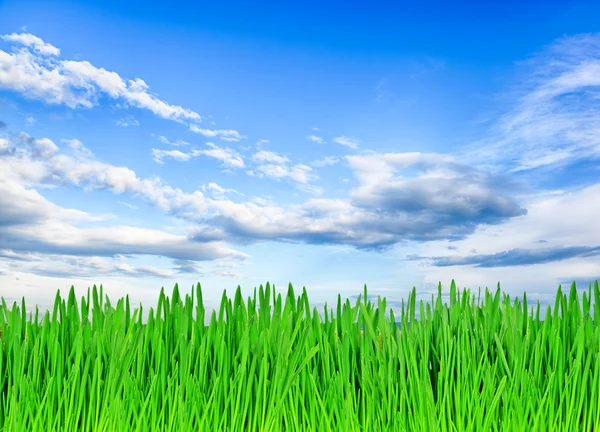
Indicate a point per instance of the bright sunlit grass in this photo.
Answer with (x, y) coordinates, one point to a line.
(272, 364)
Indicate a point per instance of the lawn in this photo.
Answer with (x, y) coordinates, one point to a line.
(481, 362)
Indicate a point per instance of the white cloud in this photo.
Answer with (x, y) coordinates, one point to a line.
(75, 83)
(217, 190)
(554, 120)
(43, 147)
(225, 135)
(447, 200)
(30, 223)
(81, 266)
(34, 42)
(229, 157)
(542, 228)
(178, 143)
(316, 139)
(78, 146)
(158, 155)
(275, 166)
(267, 156)
(299, 173)
(345, 141)
(130, 206)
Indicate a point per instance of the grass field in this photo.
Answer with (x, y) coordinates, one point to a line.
(271, 363)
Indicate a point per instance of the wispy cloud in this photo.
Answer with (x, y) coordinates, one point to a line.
(316, 139)
(326, 161)
(77, 145)
(225, 135)
(130, 206)
(267, 156)
(177, 155)
(275, 166)
(345, 141)
(379, 90)
(554, 120)
(127, 121)
(229, 157)
(218, 191)
(518, 257)
(299, 173)
(85, 267)
(178, 143)
(228, 273)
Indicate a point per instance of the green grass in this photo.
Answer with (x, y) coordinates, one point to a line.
(270, 363)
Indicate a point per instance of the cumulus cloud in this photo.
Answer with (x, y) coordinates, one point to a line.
(29, 222)
(439, 200)
(36, 72)
(451, 193)
(447, 200)
(4, 145)
(33, 42)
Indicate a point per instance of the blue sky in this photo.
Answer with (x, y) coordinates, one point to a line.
(318, 144)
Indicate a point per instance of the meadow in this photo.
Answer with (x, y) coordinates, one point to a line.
(479, 362)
